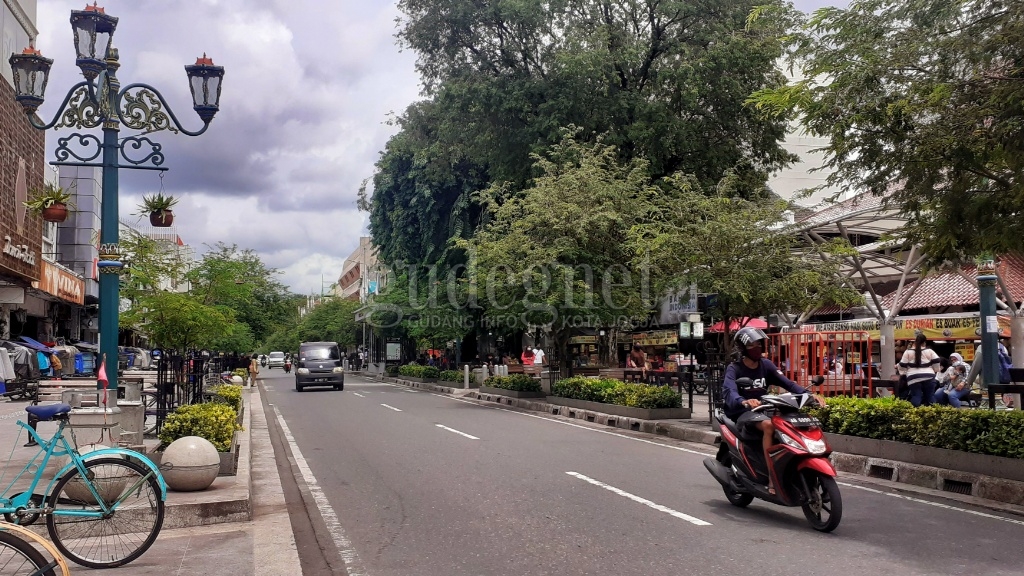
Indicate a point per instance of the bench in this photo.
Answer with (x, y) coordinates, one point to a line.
(614, 373)
(515, 369)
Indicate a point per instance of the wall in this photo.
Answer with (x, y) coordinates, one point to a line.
(21, 169)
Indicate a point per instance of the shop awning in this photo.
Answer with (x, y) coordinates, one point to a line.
(737, 324)
(36, 345)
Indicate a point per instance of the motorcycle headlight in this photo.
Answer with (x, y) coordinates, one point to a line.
(302, 371)
(790, 441)
(816, 446)
(338, 369)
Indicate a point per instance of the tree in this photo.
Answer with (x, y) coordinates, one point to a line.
(150, 264)
(921, 103)
(179, 321)
(333, 320)
(238, 279)
(663, 80)
(740, 251)
(558, 254)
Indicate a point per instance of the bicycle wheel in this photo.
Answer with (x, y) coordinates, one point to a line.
(124, 534)
(19, 558)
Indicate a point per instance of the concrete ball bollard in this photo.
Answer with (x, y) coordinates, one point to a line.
(236, 379)
(106, 480)
(190, 464)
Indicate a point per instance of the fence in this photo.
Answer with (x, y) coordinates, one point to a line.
(180, 380)
(843, 359)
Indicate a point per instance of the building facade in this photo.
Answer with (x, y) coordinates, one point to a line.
(361, 274)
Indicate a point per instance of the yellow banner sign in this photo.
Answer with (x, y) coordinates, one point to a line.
(934, 328)
(656, 338)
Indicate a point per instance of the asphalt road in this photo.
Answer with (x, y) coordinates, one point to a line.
(411, 483)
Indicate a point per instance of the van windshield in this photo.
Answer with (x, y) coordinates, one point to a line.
(321, 353)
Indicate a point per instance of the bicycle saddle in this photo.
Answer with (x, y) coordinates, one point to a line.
(48, 412)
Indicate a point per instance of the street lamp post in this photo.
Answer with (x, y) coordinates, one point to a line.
(989, 321)
(100, 100)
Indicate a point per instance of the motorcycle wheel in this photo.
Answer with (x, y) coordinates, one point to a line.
(824, 510)
(738, 498)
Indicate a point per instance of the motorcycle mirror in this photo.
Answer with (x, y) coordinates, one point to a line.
(819, 380)
(744, 382)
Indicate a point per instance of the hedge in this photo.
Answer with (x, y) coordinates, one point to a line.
(609, 391)
(214, 421)
(451, 376)
(392, 370)
(230, 394)
(980, 431)
(516, 382)
(417, 371)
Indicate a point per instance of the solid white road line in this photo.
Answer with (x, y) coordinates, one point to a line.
(644, 501)
(391, 407)
(443, 427)
(930, 503)
(358, 394)
(344, 545)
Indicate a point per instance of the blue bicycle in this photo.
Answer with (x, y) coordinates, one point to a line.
(103, 510)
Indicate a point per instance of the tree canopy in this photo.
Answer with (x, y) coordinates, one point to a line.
(663, 80)
(921, 103)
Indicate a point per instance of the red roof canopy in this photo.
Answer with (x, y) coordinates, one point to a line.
(737, 324)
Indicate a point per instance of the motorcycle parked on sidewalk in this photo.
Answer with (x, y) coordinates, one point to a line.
(804, 475)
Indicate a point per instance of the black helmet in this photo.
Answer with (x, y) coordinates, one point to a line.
(747, 336)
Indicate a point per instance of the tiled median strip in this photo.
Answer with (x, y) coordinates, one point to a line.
(644, 501)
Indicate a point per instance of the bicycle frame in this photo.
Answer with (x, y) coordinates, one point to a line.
(59, 446)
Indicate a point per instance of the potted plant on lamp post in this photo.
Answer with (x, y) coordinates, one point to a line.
(158, 207)
(52, 202)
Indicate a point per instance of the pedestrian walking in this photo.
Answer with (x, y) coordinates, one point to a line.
(254, 369)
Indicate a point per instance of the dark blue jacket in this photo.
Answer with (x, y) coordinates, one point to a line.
(764, 375)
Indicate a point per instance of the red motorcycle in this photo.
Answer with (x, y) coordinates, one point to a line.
(802, 473)
(287, 366)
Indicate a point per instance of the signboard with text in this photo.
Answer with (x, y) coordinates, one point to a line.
(62, 283)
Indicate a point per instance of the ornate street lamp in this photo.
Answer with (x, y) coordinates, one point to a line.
(204, 80)
(100, 101)
(31, 72)
(94, 31)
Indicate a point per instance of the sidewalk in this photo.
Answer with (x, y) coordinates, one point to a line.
(263, 546)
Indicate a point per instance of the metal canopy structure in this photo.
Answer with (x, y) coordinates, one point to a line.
(882, 258)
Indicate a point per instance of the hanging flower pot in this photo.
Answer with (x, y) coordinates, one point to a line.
(56, 212)
(158, 207)
(51, 202)
(161, 218)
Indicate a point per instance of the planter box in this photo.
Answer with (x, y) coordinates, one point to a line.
(998, 466)
(624, 411)
(511, 393)
(417, 379)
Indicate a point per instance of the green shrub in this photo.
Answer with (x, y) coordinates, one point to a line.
(230, 394)
(611, 391)
(451, 376)
(979, 431)
(429, 372)
(392, 370)
(516, 382)
(214, 421)
(414, 370)
(243, 372)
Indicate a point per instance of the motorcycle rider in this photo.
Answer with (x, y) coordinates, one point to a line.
(741, 400)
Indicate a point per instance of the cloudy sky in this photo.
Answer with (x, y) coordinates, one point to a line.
(308, 88)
